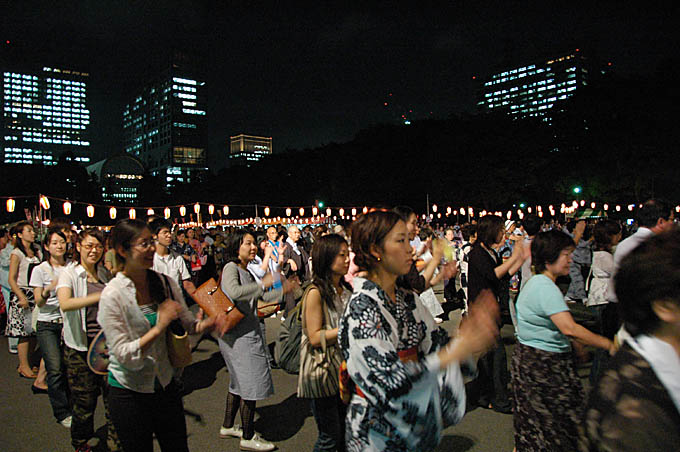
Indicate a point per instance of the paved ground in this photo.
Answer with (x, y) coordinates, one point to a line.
(26, 422)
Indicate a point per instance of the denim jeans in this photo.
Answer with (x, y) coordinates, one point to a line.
(329, 414)
(49, 339)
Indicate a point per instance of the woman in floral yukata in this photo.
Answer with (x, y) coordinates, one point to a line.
(406, 382)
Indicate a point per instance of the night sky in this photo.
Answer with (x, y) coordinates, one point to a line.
(312, 75)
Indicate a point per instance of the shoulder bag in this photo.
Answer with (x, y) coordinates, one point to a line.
(210, 297)
(319, 366)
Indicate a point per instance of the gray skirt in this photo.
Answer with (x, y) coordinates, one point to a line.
(249, 373)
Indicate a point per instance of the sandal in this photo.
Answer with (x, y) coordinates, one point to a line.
(25, 375)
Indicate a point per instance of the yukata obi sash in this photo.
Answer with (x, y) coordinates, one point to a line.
(347, 386)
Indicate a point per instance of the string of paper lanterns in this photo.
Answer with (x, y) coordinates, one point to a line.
(68, 208)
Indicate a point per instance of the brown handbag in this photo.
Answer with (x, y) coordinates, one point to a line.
(210, 297)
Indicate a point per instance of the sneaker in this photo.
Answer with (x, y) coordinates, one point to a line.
(13, 350)
(232, 432)
(66, 422)
(438, 320)
(256, 443)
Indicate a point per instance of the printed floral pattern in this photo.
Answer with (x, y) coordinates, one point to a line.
(405, 405)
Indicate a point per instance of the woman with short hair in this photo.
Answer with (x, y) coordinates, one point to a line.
(547, 391)
(636, 403)
(403, 374)
(486, 270)
(136, 309)
(78, 291)
(607, 234)
(243, 346)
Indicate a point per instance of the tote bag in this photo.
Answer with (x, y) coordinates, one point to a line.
(319, 366)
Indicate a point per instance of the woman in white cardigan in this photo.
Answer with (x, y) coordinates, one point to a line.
(136, 308)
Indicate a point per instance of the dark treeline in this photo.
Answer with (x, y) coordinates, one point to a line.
(617, 139)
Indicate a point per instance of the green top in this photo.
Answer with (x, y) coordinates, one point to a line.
(152, 317)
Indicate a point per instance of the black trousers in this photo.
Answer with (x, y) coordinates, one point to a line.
(138, 416)
(494, 378)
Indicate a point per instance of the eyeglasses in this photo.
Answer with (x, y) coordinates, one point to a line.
(89, 247)
(146, 244)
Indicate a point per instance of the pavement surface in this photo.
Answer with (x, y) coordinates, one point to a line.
(27, 424)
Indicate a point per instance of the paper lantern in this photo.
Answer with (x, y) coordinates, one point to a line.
(112, 213)
(328, 212)
(448, 210)
(132, 213)
(508, 215)
(302, 211)
(606, 207)
(67, 208)
(341, 212)
(365, 210)
(197, 208)
(315, 211)
(183, 211)
(211, 209)
(44, 202)
(592, 205)
(583, 203)
(618, 208)
(434, 208)
(166, 212)
(439, 215)
(90, 211)
(266, 211)
(288, 212)
(540, 214)
(354, 211)
(11, 203)
(529, 209)
(150, 212)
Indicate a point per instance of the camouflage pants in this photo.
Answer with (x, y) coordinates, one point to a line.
(85, 388)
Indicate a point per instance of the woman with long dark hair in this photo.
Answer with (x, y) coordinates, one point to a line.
(405, 380)
(323, 304)
(22, 259)
(243, 346)
(79, 290)
(135, 310)
(50, 323)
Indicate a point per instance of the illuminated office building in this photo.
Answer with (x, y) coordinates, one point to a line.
(245, 150)
(120, 177)
(165, 127)
(536, 89)
(45, 114)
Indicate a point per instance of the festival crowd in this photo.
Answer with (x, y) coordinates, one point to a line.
(361, 307)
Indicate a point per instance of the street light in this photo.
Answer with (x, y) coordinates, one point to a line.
(577, 190)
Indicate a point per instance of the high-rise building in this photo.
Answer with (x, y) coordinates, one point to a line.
(244, 150)
(536, 89)
(165, 125)
(120, 178)
(45, 115)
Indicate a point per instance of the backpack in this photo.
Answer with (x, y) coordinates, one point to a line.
(287, 347)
